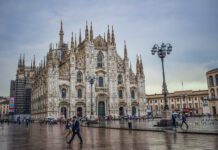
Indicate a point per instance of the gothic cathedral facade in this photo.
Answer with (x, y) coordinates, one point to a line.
(61, 86)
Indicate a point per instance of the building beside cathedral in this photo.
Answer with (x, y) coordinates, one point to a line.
(60, 87)
(23, 90)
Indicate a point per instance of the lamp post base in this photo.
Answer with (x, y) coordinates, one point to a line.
(166, 120)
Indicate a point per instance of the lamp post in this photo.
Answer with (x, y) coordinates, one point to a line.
(162, 51)
(91, 80)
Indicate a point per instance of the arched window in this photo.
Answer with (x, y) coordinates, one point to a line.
(216, 79)
(211, 81)
(133, 94)
(120, 79)
(100, 58)
(212, 93)
(79, 93)
(79, 76)
(101, 82)
(120, 92)
(63, 93)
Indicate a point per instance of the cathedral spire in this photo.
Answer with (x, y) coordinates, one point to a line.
(23, 60)
(104, 37)
(44, 62)
(61, 35)
(91, 33)
(125, 51)
(141, 66)
(137, 65)
(20, 61)
(72, 42)
(130, 67)
(113, 37)
(34, 62)
(75, 41)
(80, 38)
(87, 32)
(108, 35)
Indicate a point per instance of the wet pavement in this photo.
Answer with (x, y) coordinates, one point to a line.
(196, 125)
(19, 137)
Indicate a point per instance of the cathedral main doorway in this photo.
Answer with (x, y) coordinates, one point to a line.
(133, 111)
(64, 112)
(121, 111)
(79, 112)
(101, 109)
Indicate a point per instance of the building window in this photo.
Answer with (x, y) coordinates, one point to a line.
(216, 79)
(100, 58)
(172, 106)
(79, 76)
(211, 81)
(101, 82)
(196, 105)
(79, 93)
(190, 105)
(212, 93)
(120, 79)
(120, 92)
(171, 100)
(63, 93)
(155, 101)
(178, 106)
(133, 94)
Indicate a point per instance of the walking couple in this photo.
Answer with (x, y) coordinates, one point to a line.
(75, 128)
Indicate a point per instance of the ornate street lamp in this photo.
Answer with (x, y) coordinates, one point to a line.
(162, 51)
(91, 80)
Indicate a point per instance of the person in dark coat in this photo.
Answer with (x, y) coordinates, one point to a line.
(174, 120)
(184, 121)
(76, 130)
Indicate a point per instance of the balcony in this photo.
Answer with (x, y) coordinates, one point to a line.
(100, 69)
(101, 90)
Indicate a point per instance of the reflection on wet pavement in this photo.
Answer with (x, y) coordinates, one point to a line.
(15, 137)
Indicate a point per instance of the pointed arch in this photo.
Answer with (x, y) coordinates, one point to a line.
(79, 76)
(100, 60)
(120, 79)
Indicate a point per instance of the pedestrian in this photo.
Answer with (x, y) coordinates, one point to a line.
(76, 130)
(67, 128)
(184, 120)
(174, 120)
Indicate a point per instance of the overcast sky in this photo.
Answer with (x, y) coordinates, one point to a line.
(191, 26)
